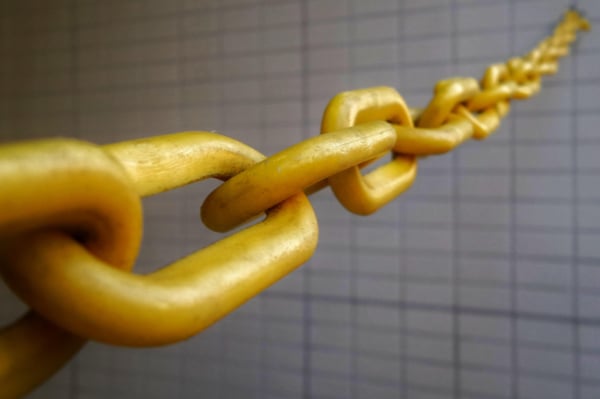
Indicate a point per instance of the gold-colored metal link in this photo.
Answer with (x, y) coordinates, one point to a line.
(71, 211)
(31, 351)
(292, 170)
(73, 214)
(366, 194)
(163, 163)
(187, 296)
(173, 303)
(69, 186)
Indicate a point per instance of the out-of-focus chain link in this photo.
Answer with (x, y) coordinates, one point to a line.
(71, 223)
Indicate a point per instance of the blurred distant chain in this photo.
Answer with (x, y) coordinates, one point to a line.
(373, 121)
(72, 223)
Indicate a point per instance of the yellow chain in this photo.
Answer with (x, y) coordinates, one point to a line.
(71, 221)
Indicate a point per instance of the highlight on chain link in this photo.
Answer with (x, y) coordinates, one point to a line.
(71, 211)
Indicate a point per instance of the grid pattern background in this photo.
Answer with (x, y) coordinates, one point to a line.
(483, 281)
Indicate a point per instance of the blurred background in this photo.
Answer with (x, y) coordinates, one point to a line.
(482, 281)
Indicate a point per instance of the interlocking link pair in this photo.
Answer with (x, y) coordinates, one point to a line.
(71, 231)
(72, 222)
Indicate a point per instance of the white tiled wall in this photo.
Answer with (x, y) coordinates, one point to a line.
(483, 281)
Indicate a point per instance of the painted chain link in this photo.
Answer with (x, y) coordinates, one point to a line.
(71, 223)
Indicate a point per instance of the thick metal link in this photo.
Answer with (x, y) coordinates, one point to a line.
(187, 296)
(63, 185)
(31, 351)
(71, 211)
(163, 163)
(366, 194)
(173, 303)
(293, 170)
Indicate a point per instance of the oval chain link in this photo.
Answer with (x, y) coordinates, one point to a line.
(60, 185)
(187, 296)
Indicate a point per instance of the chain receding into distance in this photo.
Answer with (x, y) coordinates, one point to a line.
(71, 218)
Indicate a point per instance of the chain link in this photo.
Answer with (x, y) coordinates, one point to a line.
(71, 222)
(69, 186)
